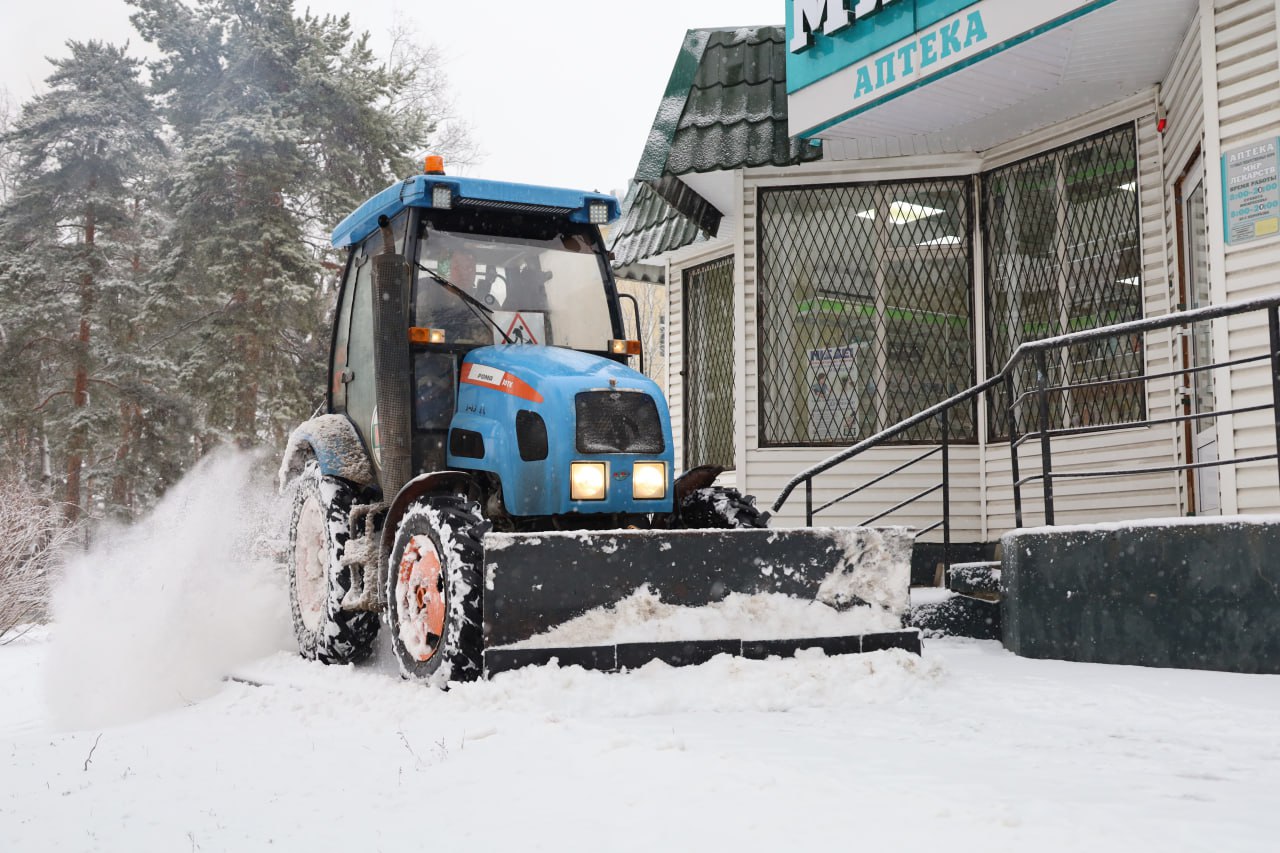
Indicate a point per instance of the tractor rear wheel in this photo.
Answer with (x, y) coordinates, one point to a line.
(716, 507)
(317, 579)
(434, 593)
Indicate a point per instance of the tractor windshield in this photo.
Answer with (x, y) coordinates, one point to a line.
(542, 289)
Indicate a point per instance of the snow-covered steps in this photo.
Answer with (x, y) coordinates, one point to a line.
(976, 580)
(974, 609)
(957, 616)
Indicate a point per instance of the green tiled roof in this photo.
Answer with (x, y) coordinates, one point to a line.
(725, 108)
(651, 227)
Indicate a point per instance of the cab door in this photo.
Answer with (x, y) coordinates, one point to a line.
(339, 371)
(361, 396)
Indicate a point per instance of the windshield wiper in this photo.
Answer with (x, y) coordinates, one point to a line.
(471, 301)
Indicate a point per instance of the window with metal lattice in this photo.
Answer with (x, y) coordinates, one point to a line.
(1063, 253)
(708, 364)
(865, 305)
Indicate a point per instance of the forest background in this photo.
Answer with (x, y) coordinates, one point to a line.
(165, 272)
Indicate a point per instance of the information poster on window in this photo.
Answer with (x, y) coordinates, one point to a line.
(1251, 176)
(833, 393)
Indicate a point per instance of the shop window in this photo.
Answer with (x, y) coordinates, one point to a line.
(708, 364)
(1063, 253)
(865, 303)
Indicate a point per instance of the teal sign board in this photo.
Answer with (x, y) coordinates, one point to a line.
(832, 45)
(1251, 181)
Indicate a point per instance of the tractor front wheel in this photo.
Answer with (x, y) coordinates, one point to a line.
(433, 591)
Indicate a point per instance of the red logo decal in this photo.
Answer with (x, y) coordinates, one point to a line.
(497, 380)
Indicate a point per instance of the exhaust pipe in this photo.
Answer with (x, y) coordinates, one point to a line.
(392, 366)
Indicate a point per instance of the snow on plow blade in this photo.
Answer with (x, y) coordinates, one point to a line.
(547, 595)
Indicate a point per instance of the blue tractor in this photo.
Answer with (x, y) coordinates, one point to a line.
(488, 465)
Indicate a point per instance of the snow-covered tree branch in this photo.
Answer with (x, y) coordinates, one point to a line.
(34, 539)
(424, 98)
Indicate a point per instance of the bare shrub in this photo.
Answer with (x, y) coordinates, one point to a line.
(33, 535)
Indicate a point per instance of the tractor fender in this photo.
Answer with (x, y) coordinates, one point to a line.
(333, 442)
(435, 483)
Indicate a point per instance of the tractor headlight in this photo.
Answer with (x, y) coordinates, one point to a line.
(588, 481)
(597, 213)
(442, 197)
(649, 481)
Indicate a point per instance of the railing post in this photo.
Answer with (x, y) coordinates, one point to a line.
(1046, 459)
(946, 490)
(1011, 411)
(1273, 323)
(808, 502)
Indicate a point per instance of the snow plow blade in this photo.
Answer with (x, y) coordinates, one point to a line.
(538, 582)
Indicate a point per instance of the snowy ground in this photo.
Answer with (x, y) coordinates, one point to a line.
(968, 748)
(109, 741)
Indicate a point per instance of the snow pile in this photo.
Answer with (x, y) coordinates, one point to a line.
(643, 617)
(326, 696)
(876, 568)
(157, 613)
(725, 684)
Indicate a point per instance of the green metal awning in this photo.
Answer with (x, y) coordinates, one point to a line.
(725, 108)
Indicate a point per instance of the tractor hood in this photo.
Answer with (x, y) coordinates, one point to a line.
(526, 413)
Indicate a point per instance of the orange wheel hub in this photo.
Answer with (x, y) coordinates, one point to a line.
(420, 599)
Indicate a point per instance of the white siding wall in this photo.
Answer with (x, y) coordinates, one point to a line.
(1182, 94)
(675, 360)
(1248, 80)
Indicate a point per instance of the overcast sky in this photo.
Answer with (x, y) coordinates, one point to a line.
(556, 91)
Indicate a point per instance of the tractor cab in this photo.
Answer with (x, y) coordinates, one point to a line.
(517, 280)
(491, 264)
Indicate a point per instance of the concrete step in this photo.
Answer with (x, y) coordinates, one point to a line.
(958, 616)
(977, 580)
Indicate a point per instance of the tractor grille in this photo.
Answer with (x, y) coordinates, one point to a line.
(618, 422)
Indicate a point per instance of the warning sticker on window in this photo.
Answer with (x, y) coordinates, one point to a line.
(521, 327)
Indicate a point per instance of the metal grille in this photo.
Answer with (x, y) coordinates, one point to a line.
(513, 206)
(1063, 250)
(866, 295)
(618, 422)
(708, 364)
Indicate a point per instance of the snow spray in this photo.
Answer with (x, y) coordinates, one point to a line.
(156, 614)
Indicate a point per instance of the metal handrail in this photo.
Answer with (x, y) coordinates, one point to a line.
(1037, 350)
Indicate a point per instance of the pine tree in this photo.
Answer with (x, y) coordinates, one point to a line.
(69, 267)
(283, 126)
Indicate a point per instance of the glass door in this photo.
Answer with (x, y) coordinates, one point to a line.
(1202, 433)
